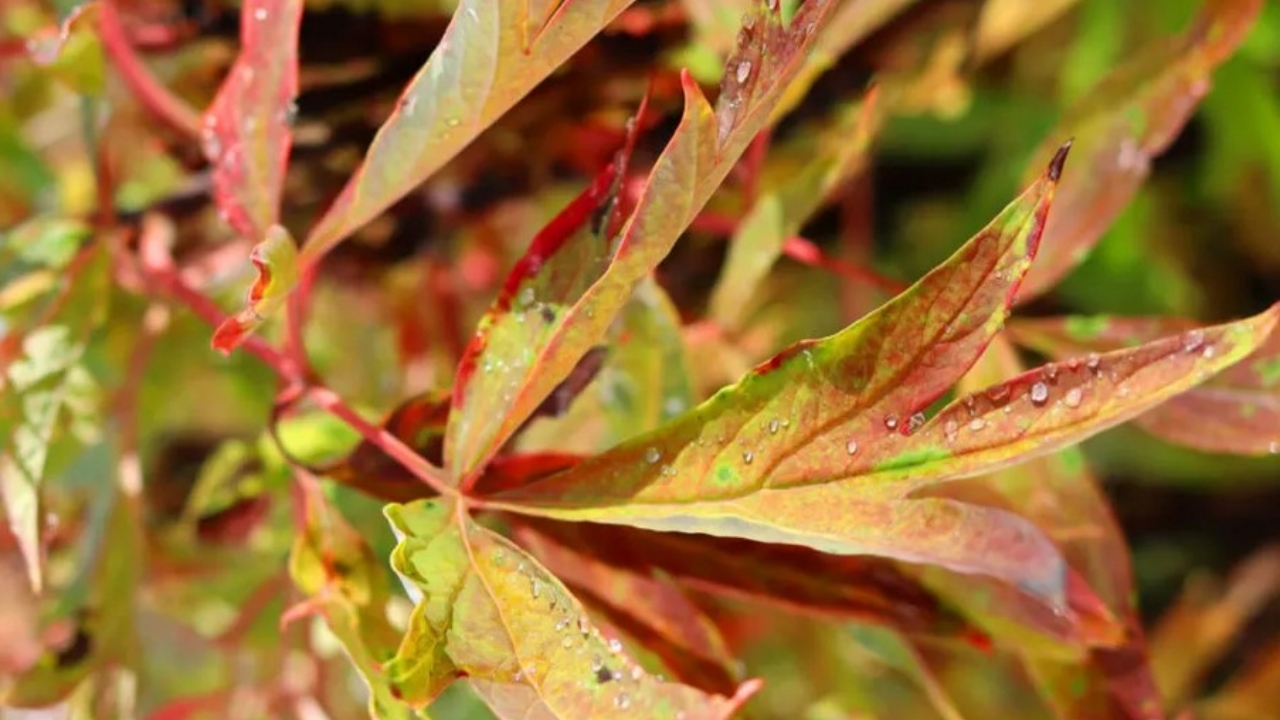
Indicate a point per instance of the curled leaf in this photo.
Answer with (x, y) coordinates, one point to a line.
(276, 260)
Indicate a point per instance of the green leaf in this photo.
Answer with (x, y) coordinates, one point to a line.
(276, 260)
(1237, 412)
(247, 131)
(557, 303)
(489, 612)
(492, 54)
(1130, 117)
(812, 448)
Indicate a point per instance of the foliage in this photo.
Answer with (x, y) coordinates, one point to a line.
(695, 402)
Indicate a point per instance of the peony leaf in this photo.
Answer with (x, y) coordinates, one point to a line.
(490, 613)
(276, 260)
(562, 296)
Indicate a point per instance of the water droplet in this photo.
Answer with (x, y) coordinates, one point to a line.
(622, 701)
(774, 424)
(615, 645)
(1123, 391)
(520, 566)
(915, 422)
(526, 297)
(951, 429)
(971, 404)
(597, 664)
(652, 455)
(999, 393)
(668, 471)
(748, 456)
(452, 122)
(786, 423)
(535, 587)
(977, 424)
(1207, 352)
(1073, 398)
(744, 71)
(566, 643)
(260, 14)
(637, 672)
(1039, 393)
(773, 5)
(407, 104)
(1051, 373)
(851, 447)
(1192, 341)
(1094, 363)
(561, 624)
(891, 422)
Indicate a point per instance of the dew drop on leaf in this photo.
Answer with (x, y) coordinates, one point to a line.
(774, 424)
(652, 455)
(977, 424)
(915, 422)
(1192, 341)
(951, 429)
(891, 422)
(1207, 352)
(1094, 363)
(566, 643)
(748, 456)
(583, 626)
(622, 701)
(1039, 393)
(851, 447)
(535, 587)
(744, 71)
(1073, 398)
(561, 624)
(615, 645)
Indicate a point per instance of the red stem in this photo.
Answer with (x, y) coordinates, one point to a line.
(150, 92)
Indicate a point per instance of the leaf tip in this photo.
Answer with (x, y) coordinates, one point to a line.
(1059, 159)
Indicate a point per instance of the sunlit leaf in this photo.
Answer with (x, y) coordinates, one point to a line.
(1130, 117)
(556, 303)
(490, 613)
(1004, 23)
(247, 131)
(1236, 412)
(493, 53)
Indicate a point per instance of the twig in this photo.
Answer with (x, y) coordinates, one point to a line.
(150, 92)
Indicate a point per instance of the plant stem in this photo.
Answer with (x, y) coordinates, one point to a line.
(150, 92)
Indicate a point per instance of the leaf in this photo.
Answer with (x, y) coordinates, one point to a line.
(761, 458)
(644, 601)
(1004, 23)
(794, 579)
(790, 201)
(489, 612)
(276, 260)
(246, 131)
(1130, 117)
(1236, 412)
(419, 423)
(333, 565)
(839, 475)
(492, 54)
(1251, 693)
(43, 385)
(557, 304)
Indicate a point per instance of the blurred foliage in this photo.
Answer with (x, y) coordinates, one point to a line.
(192, 535)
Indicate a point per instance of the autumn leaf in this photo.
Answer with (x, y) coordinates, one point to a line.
(562, 296)
(1119, 126)
(246, 131)
(490, 613)
(492, 54)
(760, 456)
(1236, 412)
(825, 444)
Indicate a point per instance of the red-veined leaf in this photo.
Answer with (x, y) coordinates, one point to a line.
(1236, 412)
(1129, 118)
(492, 54)
(562, 296)
(419, 423)
(823, 445)
(765, 459)
(246, 132)
(489, 612)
